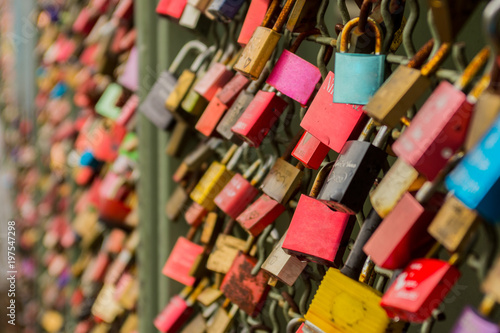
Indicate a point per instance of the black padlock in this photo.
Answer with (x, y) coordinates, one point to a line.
(354, 172)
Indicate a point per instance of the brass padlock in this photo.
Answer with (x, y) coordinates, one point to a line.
(283, 181)
(225, 251)
(262, 44)
(303, 16)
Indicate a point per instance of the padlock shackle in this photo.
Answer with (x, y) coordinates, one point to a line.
(202, 59)
(346, 32)
(320, 179)
(193, 45)
(491, 20)
(364, 13)
(433, 64)
(280, 22)
(270, 13)
(421, 56)
(264, 168)
(252, 168)
(478, 89)
(231, 165)
(473, 68)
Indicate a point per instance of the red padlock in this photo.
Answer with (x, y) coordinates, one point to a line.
(419, 289)
(195, 214)
(172, 8)
(85, 21)
(232, 89)
(259, 117)
(260, 214)
(239, 192)
(310, 151)
(333, 123)
(253, 19)
(181, 260)
(317, 233)
(210, 118)
(402, 235)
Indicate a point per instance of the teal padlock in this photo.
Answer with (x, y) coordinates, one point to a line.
(358, 76)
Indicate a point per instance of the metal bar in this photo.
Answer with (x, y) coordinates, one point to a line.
(148, 185)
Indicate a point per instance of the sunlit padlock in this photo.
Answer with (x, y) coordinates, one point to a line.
(194, 19)
(283, 181)
(354, 172)
(407, 224)
(187, 80)
(238, 107)
(282, 266)
(475, 180)
(213, 181)
(153, 106)
(255, 15)
(222, 320)
(225, 10)
(171, 8)
(232, 89)
(310, 151)
(440, 126)
(303, 16)
(419, 289)
(246, 290)
(262, 44)
(317, 233)
(224, 253)
(239, 192)
(454, 224)
(294, 76)
(358, 76)
(332, 123)
(472, 321)
(403, 88)
(178, 310)
(259, 117)
(261, 213)
(180, 261)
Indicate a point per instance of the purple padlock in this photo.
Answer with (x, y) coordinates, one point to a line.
(130, 76)
(471, 321)
(294, 76)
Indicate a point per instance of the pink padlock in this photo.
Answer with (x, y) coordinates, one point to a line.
(232, 89)
(217, 76)
(294, 76)
(210, 118)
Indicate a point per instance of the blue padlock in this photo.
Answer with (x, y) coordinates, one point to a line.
(476, 179)
(358, 76)
(225, 10)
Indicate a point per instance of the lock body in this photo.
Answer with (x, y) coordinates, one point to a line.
(212, 182)
(194, 104)
(407, 226)
(486, 110)
(352, 176)
(176, 203)
(419, 289)
(257, 52)
(181, 260)
(173, 316)
(232, 89)
(107, 104)
(248, 292)
(195, 214)
(261, 213)
(294, 77)
(180, 91)
(171, 8)
(282, 181)
(225, 10)
(437, 131)
(471, 321)
(232, 115)
(358, 77)
(317, 233)
(259, 117)
(476, 179)
(333, 123)
(396, 95)
(213, 80)
(236, 196)
(255, 15)
(310, 151)
(208, 121)
(225, 251)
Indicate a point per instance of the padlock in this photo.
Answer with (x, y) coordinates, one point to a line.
(475, 180)
(193, 18)
(283, 266)
(396, 182)
(261, 213)
(453, 224)
(282, 181)
(213, 181)
(444, 118)
(317, 233)
(181, 260)
(236, 110)
(222, 320)
(171, 8)
(262, 44)
(239, 192)
(225, 251)
(255, 15)
(178, 309)
(259, 117)
(153, 106)
(225, 10)
(232, 89)
(124, 10)
(472, 321)
(332, 123)
(195, 160)
(244, 289)
(176, 203)
(187, 80)
(406, 84)
(198, 323)
(105, 307)
(486, 109)
(291, 69)
(354, 172)
(419, 289)
(303, 16)
(310, 151)
(358, 75)
(407, 224)
(211, 228)
(130, 76)
(211, 116)
(195, 214)
(107, 104)
(201, 5)
(345, 305)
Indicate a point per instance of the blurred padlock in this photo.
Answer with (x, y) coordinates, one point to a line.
(225, 10)
(180, 261)
(210, 118)
(471, 321)
(224, 253)
(171, 8)
(303, 16)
